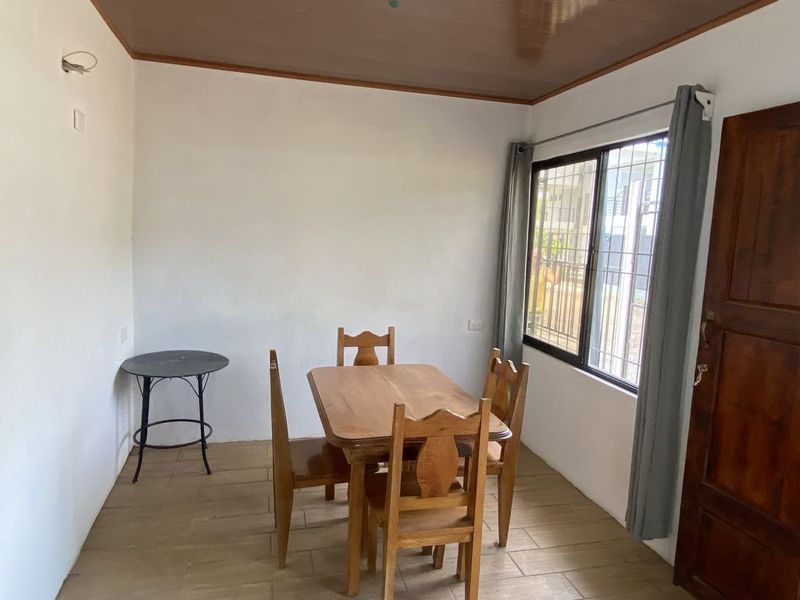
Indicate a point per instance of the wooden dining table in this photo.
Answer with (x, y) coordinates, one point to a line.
(355, 406)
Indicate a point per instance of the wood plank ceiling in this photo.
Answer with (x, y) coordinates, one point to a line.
(510, 50)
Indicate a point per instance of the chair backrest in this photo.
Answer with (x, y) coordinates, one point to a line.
(491, 379)
(281, 455)
(366, 342)
(507, 387)
(437, 461)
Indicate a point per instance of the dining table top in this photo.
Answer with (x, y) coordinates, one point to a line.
(175, 363)
(356, 404)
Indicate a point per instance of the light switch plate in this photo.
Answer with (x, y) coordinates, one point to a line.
(78, 121)
(475, 325)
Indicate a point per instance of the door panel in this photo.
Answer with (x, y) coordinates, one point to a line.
(739, 533)
(734, 564)
(766, 266)
(757, 388)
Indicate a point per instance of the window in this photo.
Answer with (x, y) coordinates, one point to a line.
(593, 224)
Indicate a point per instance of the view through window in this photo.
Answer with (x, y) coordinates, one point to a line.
(601, 205)
(560, 249)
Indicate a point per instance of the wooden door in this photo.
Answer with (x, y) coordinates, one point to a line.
(739, 534)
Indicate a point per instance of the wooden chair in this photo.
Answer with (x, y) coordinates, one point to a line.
(430, 507)
(298, 463)
(366, 342)
(506, 387)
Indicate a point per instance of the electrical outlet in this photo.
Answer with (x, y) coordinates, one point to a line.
(475, 325)
(123, 335)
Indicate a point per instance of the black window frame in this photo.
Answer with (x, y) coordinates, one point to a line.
(600, 154)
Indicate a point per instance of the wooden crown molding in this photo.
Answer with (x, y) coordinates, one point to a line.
(190, 62)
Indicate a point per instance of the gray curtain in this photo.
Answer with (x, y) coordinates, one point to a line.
(514, 253)
(662, 384)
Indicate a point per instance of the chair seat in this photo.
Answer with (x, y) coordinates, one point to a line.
(375, 486)
(434, 525)
(453, 519)
(412, 521)
(494, 453)
(316, 462)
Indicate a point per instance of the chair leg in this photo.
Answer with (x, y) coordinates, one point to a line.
(427, 550)
(365, 528)
(372, 541)
(473, 568)
(284, 499)
(461, 564)
(274, 503)
(389, 567)
(330, 492)
(505, 497)
(438, 556)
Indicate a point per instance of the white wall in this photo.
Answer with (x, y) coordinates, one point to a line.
(579, 424)
(65, 268)
(269, 211)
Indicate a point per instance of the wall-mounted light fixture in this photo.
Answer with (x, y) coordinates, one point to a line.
(75, 66)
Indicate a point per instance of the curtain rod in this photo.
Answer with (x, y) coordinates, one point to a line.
(606, 122)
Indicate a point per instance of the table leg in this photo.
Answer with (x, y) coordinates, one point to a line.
(354, 525)
(145, 420)
(203, 444)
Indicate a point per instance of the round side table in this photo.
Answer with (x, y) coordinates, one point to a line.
(150, 369)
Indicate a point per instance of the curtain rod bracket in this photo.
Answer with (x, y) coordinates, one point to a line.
(707, 100)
